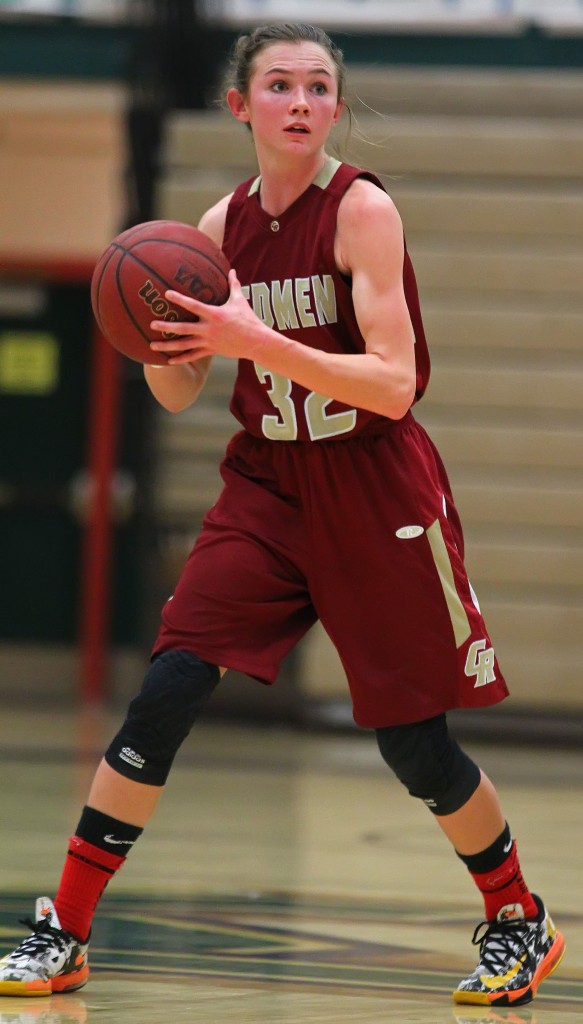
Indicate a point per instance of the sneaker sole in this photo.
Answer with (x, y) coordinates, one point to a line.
(61, 983)
(520, 996)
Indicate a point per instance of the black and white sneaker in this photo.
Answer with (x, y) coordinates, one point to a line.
(515, 956)
(49, 960)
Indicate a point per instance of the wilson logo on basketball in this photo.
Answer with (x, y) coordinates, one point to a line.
(191, 281)
(132, 275)
(159, 306)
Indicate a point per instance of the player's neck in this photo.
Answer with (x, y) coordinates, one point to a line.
(281, 187)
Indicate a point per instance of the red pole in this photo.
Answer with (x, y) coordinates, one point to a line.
(104, 419)
(97, 555)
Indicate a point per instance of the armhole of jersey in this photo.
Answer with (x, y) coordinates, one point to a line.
(238, 197)
(346, 174)
(338, 188)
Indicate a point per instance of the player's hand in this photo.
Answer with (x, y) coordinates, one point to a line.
(227, 330)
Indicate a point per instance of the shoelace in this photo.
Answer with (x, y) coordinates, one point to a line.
(500, 941)
(43, 935)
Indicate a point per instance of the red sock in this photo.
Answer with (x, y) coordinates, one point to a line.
(504, 886)
(85, 875)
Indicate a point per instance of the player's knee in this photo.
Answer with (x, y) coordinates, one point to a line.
(175, 689)
(430, 764)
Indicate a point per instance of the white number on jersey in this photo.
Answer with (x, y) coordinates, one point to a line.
(284, 427)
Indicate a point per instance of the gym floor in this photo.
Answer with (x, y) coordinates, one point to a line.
(286, 877)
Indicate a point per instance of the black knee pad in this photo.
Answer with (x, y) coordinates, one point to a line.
(431, 765)
(175, 689)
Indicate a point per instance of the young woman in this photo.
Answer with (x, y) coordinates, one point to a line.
(335, 506)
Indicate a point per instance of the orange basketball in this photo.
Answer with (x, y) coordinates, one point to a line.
(138, 267)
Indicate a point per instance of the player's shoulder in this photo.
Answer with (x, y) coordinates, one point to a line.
(212, 222)
(364, 202)
(367, 224)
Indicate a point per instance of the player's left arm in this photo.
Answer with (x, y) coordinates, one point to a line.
(369, 246)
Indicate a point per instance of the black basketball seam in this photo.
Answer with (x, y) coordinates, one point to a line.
(97, 311)
(131, 317)
(114, 249)
(183, 245)
(117, 247)
(165, 241)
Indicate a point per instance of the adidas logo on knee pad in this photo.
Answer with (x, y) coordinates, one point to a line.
(129, 755)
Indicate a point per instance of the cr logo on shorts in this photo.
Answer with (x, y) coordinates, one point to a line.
(480, 663)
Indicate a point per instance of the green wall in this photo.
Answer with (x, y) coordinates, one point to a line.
(71, 49)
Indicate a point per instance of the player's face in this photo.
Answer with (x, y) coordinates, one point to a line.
(292, 100)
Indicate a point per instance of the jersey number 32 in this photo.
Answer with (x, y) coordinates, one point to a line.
(284, 425)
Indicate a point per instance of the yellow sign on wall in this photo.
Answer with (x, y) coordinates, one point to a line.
(29, 362)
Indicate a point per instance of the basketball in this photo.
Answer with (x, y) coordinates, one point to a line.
(138, 267)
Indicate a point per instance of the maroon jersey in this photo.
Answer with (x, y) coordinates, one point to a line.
(289, 275)
(280, 548)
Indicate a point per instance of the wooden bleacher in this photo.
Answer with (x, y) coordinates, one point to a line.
(486, 169)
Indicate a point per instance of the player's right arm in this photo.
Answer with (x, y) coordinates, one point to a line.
(177, 387)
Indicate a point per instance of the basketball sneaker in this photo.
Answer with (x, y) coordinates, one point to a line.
(49, 960)
(515, 956)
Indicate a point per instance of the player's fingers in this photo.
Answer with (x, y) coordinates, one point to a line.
(187, 329)
(171, 348)
(186, 301)
(192, 356)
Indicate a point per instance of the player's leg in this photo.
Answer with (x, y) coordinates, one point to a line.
(477, 823)
(130, 779)
(519, 945)
(240, 602)
(124, 793)
(237, 603)
(400, 610)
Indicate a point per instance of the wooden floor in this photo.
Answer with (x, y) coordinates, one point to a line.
(286, 878)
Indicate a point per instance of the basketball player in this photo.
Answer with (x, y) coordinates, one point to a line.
(336, 506)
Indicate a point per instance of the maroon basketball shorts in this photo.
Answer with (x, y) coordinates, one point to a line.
(360, 533)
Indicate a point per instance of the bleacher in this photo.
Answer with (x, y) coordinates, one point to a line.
(424, 15)
(356, 15)
(485, 167)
